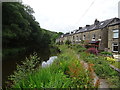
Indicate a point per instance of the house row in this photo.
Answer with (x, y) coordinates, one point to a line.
(105, 34)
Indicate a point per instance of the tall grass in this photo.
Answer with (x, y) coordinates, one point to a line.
(65, 72)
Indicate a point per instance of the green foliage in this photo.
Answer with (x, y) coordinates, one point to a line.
(67, 42)
(65, 72)
(20, 29)
(116, 64)
(114, 81)
(27, 67)
(14, 51)
(79, 48)
(101, 66)
(106, 53)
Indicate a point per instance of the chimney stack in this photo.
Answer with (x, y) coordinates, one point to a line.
(80, 28)
(87, 25)
(96, 22)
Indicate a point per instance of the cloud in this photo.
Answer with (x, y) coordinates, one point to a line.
(67, 15)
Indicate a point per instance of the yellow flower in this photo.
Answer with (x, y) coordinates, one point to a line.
(110, 59)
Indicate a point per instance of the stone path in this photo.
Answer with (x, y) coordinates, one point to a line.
(103, 84)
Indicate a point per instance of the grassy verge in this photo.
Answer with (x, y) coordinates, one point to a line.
(116, 64)
(101, 66)
(65, 72)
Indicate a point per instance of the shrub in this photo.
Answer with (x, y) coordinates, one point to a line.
(27, 66)
(67, 42)
(93, 51)
(106, 53)
(79, 48)
(111, 60)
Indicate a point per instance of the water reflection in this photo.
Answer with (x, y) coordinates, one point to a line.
(50, 61)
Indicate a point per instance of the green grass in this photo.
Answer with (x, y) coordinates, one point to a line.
(116, 64)
(65, 72)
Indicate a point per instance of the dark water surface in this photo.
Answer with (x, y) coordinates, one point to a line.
(9, 63)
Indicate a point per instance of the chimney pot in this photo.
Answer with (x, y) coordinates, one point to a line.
(87, 25)
(96, 22)
(80, 28)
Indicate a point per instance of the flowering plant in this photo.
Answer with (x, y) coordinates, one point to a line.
(110, 59)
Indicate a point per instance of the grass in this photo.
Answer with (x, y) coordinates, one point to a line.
(116, 64)
(65, 72)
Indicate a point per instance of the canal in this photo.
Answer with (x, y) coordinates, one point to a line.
(9, 63)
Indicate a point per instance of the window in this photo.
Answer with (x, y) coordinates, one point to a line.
(115, 47)
(73, 38)
(80, 39)
(93, 37)
(99, 38)
(77, 38)
(115, 34)
(83, 37)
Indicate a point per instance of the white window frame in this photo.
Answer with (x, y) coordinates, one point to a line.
(93, 37)
(114, 32)
(113, 47)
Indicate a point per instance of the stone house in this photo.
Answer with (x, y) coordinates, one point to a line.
(114, 37)
(107, 33)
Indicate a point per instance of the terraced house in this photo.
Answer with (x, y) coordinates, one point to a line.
(105, 34)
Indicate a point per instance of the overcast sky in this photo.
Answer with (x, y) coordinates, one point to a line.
(68, 15)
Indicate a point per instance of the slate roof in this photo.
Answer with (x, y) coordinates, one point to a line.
(115, 23)
(99, 25)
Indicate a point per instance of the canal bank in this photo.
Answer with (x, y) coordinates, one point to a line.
(9, 63)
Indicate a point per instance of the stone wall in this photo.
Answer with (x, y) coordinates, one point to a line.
(112, 40)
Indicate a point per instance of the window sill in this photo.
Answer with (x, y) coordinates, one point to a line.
(115, 51)
(115, 38)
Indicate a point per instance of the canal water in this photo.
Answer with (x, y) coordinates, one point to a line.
(9, 63)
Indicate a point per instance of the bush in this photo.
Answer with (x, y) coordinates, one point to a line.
(79, 48)
(111, 60)
(67, 42)
(93, 51)
(106, 53)
(27, 66)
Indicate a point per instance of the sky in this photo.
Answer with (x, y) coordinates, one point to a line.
(68, 15)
